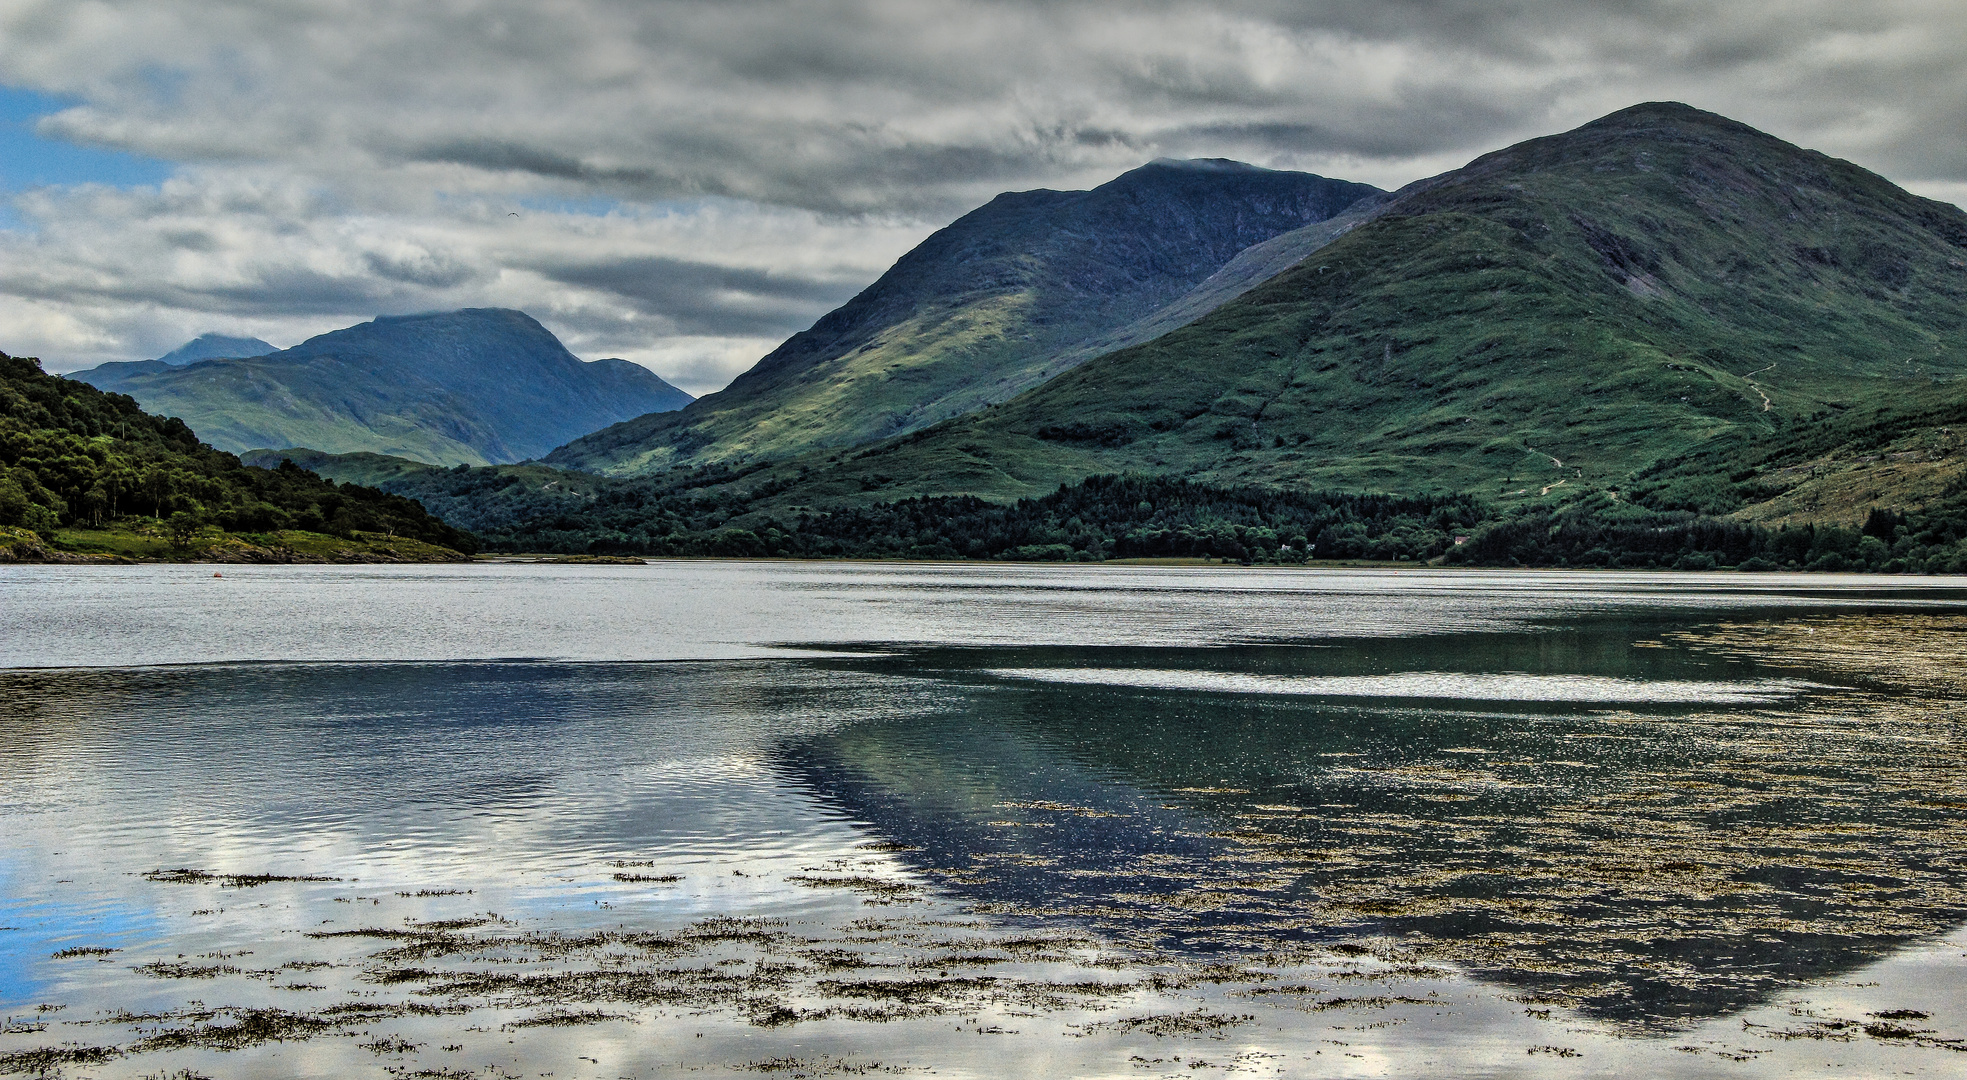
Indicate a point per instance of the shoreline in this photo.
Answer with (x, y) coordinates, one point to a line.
(127, 547)
(147, 546)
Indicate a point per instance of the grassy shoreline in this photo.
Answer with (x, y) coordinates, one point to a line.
(126, 544)
(118, 547)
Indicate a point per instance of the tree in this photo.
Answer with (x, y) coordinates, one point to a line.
(184, 527)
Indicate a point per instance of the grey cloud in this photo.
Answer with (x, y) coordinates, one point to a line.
(430, 271)
(279, 292)
(705, 299)
(1344, 135)
(500, 155)
(356, 155)
(850, 106)
(189, 239)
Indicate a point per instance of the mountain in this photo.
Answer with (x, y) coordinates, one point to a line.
(475, 386)
(202, 347)
(1553, 319)
(1001, 300)
(214, 346)
(89, 471)
(1661, 340)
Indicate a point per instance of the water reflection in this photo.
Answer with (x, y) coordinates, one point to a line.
(1645, 857)
(1015, 806)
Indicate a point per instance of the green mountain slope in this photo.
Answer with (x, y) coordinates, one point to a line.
(1250, 268)
(76, 458)
(477, 386)
(1900, 449)
(362, 467)
(1001, 300)
(1554, 317)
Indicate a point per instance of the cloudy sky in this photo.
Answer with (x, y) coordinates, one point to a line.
(684, 184)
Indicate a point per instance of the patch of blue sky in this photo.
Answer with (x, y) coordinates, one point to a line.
(591, 206)
(28, 160)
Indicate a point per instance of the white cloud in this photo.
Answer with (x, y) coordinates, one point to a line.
(761, 161)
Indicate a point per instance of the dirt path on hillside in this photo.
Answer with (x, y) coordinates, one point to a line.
(1757, 387)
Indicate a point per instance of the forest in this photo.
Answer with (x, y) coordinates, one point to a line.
(702, 513)
(1932, 540)
(74, 456)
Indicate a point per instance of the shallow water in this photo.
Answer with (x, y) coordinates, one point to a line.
(810, 819)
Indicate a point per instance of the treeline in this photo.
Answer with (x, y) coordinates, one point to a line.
(1132, 517)
(1932, 540)
(72, 455)
(1103, 517)
(703, 513)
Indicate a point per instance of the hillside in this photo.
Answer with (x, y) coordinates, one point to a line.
(1892, 451)
(1880, 485)
(361, 467)
(1552, 319)
(1001, 300)
(85, 469)
(476, 386)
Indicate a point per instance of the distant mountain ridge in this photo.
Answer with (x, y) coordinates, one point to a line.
(1000, 300)
(202, 347)
(478, 386)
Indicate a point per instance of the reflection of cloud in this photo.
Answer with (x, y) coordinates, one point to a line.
(1425, 685)
(366, 122)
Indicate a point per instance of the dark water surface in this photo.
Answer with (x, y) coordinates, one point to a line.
(807, 820)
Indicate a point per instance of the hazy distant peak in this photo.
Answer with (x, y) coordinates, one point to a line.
(1213, 164)
(212, 346)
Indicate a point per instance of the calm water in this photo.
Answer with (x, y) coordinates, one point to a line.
(807, 820)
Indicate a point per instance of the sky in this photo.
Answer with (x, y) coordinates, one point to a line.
(685, 184)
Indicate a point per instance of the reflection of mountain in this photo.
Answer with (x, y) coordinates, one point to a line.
(1646, 863)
